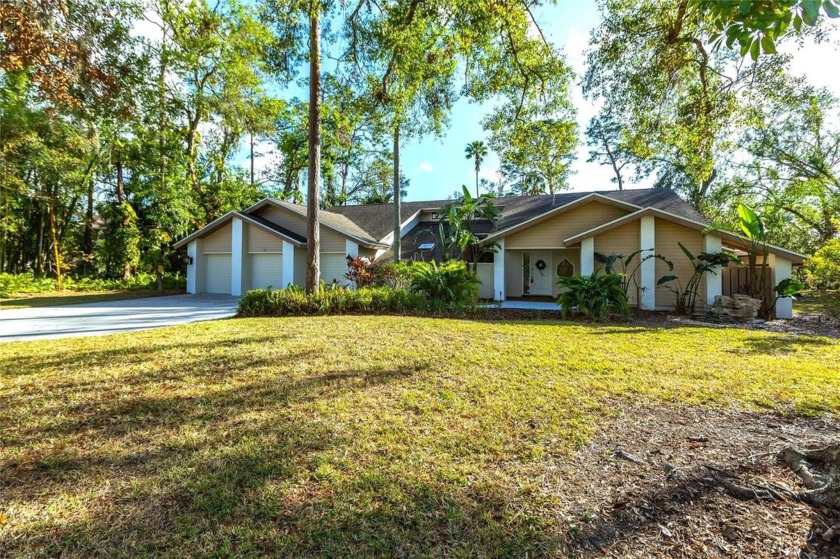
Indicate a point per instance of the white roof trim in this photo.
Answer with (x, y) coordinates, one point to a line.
(218, 222)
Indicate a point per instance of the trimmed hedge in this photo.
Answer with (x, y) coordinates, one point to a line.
(294, 302)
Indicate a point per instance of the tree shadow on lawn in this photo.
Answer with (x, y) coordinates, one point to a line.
(74, 352)
(259, 479)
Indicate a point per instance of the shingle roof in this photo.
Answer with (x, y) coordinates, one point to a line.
(335, 221)
(378, 219)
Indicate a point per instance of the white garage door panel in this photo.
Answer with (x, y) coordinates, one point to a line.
(333, 267)
(267, 270)
(218, 273)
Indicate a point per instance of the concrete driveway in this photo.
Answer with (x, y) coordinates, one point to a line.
(92, 319)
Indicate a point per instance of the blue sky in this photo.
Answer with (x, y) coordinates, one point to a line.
(437, 167)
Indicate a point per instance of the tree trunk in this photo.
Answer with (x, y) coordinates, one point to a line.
(476, 182)
(397, 217)
(252, 160)
(88, 240)
(59, 280)
(313, 241)
(39, 256)
(126, 271)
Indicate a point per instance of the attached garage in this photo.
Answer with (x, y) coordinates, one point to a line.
(267, 271)
(334, 268)
(217, 276)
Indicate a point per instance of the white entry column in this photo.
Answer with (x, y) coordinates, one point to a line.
(587, 256)
(647, 244)
(499, 272)
(782, 270)
(195, 268)
(288, 264)
(238, 252)
(714, 282)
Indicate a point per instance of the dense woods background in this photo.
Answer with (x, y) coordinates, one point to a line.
(114, 143)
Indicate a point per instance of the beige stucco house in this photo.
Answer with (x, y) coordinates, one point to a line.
(539, 238)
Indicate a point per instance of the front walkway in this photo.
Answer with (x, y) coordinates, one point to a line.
(110, 317)
(530, 305)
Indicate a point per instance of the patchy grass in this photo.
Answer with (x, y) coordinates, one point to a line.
(54, 298)
(348, 436)
(819, 302)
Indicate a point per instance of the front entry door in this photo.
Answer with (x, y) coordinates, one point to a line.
(537, 273)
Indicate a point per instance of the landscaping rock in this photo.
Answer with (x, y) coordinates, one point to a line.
(741, 308)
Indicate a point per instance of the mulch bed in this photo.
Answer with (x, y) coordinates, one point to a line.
(801, 324)
(641, 488)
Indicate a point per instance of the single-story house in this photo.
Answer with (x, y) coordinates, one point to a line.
(538, 239)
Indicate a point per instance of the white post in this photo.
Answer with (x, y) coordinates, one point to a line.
(587, 256)
(499, 272)
(194, 266)
(647, 244)
(714, 282)
(782, 270)
(351, 248)
(288, 264)
(237, 257)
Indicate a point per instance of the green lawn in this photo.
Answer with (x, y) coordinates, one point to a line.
(819, 302)
(53, 298)
(347, 436)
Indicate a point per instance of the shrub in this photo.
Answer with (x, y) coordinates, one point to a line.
(293, 301)
(448, 286)
(685, 296)
(823, 268)
(19, 284)
(593, 296)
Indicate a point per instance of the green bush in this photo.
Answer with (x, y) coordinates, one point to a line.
(593, 296)
(450, 286)
(21, 284)
(823, 268)
(293, 301)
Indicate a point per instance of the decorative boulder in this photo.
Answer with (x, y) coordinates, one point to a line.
(742, 308)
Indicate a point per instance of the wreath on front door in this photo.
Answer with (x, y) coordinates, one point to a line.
(540, 265)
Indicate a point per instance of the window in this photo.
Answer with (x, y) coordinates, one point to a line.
(565, 269)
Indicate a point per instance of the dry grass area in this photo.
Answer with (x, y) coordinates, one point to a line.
(394, 436)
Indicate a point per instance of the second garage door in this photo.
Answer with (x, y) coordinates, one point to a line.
(218, 273)
(267, 271)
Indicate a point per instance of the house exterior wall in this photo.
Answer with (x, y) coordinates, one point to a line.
(300, 267)
(551, 232)
(667, 236)
(218, 241)
(623, 240)
(331, 241)
(513, 273)
(333, 268)
(260, 240)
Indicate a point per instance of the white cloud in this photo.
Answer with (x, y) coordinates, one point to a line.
(425, 167)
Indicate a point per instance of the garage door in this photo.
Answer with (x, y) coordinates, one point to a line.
(267, 271)
(333, 267)
(218, 273)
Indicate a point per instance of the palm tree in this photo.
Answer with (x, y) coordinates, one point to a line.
(476, 151)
